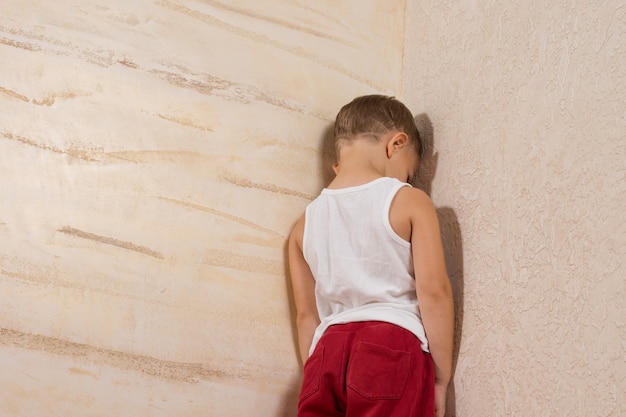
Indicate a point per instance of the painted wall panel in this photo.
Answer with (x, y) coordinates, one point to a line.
(526, 105)
(153, 158)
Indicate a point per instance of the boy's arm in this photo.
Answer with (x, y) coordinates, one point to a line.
(303, 283)
(433, 287)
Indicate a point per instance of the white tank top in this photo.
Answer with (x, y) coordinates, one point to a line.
(363, 270)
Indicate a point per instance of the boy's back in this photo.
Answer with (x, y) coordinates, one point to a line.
(363, 269)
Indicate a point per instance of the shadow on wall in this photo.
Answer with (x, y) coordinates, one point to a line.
(289, 406)
(326, 160)
(450, 236)
(328, 154)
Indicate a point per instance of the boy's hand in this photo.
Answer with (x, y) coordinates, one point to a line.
(440, 399)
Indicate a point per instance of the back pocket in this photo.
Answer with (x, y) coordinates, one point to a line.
(377, 372)
(312, 373)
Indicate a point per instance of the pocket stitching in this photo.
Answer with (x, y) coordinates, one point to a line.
(390, 354)
(317, 375)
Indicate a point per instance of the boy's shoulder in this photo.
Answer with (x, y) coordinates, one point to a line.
(411, 210)
(412, 201)
(414, 195)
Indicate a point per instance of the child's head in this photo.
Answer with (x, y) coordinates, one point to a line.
(371, 116)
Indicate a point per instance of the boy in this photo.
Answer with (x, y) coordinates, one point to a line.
(361, 256)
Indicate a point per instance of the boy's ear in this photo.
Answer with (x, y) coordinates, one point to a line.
(397, 141)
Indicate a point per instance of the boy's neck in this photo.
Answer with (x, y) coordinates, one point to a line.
(359, 163)
(353, 179)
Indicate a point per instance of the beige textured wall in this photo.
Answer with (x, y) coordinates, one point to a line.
(153, 157)
(527, 106)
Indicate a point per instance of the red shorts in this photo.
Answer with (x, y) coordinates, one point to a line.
(368, 369)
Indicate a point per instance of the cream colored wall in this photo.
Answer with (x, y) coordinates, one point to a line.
(527, 102)
(153, 157)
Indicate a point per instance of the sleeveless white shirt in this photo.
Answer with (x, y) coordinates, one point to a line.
(363, 270)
